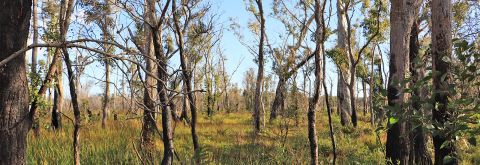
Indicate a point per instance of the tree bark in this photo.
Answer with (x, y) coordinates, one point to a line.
(441, 48)
(14, 121)
(187, 78)
(343, 91)
(279, 100)
(65, 15)
(401, 20)
(163, 75)
(343, 101)
(258, 85)
(419, 154)
(58, 98)
(106, 94)
(149, 93)
(312, 105)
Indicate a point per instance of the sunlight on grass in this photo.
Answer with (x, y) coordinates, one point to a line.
(225, 138)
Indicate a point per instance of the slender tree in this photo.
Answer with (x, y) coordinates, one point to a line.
(187, 78)
(149, 93)
(258, 85)
(312, 105)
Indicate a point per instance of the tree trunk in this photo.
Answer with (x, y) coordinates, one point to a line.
(343, 91)
(258, 85)
(312, 105)
(419, 154)
(351, 89)
(149, 92)
(163, 75)
(187, 78)
(441, 48)
(66, 11)
(14, 122)
(279, 100)
(401, 20)
(106, 93)
(365, 106)
(327, 99)
(35, 78)
(343, 101)
(381, 113)
(58, 98)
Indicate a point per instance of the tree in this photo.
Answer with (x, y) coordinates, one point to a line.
(419, 154)
(285, 60)
(402, 17)
(149, 92)
(312, 104)
(258, 85)
(343, 64)
(442, 50)
(14, 122)
(187, 78)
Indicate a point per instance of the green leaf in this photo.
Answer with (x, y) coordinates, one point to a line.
(392, 120)
(448, 159)
(444, 144)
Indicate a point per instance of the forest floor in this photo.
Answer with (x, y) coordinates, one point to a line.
(225, 139)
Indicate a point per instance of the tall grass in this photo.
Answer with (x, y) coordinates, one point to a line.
(225, 139)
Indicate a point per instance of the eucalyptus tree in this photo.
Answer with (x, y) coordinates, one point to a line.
(285, 63)
(402, 17)
(312, 104)
(442, 50)
(258, 85)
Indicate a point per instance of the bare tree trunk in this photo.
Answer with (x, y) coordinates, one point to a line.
(106, 97)
(258, 84)
(401, 17)
(327, 99)
(187, 78)
(58, 97)
(35, 36)
(65, 13)
(312, 105)
(343, 100)
(149, 93)
(343, 91)
(441, 48)
(279, 100)
(163, 76)
(371, 86)
(365, 101)
(35, 78)
(14, 121)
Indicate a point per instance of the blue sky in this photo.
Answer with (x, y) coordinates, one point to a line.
(235, 52)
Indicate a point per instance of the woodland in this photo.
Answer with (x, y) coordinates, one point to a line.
(322, 82)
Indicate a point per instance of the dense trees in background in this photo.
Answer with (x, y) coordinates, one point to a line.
(169, 58)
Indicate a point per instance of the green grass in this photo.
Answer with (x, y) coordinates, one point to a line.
(225, 139)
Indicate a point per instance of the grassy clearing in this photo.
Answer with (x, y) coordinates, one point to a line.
(225, 139)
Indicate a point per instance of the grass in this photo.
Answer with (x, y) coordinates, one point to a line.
(225, 139)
